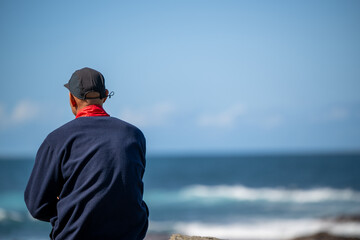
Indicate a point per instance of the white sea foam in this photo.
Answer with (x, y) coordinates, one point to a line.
(242, 193)
(10, 215)
(260, 229)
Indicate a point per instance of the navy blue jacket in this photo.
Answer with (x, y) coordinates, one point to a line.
(87, 181)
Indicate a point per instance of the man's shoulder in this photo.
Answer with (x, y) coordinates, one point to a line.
(125, 124)
(128, 127)
(62, 131)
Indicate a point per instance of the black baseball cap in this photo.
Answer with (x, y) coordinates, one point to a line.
(86, 80)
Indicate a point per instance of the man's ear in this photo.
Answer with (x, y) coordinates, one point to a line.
(106, 94)
(72, 101)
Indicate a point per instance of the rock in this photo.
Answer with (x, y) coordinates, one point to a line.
(183, 237)
(325, 236)
(348, 218)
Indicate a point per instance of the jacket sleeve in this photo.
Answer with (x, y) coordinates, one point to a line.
(44, 184)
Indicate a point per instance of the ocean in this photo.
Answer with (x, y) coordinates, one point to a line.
(274, 196)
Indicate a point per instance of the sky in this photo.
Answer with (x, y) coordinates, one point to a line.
(199, 76)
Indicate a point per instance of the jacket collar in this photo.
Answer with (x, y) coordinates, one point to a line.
(92, 111)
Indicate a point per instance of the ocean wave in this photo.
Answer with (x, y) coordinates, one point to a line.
(260, 229)
(242, 193)
(6, 215)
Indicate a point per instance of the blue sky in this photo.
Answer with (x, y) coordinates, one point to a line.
(195, 76)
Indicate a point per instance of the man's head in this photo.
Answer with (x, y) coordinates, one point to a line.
(87, 87)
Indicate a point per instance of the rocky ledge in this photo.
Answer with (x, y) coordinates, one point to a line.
(318, 236)
(325, 236)
(183, 237)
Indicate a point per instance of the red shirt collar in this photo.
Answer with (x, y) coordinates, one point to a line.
(92, 111)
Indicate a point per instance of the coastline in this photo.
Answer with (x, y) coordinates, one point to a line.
(331, 234)
(317, 236)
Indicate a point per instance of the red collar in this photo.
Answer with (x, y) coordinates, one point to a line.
(92, 111)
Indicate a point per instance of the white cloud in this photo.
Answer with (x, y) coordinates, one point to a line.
(155, 115)
(23, 111)
(226, 118)
(230, 117)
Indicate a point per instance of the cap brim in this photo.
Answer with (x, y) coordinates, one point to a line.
(67, 86)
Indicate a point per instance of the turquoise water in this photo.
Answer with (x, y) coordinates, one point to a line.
(234, 197)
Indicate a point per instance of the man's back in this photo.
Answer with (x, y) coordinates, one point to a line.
(87, 180)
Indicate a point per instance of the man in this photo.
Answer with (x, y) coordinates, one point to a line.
(87, 177)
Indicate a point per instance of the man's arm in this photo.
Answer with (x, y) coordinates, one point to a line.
(44, 184)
